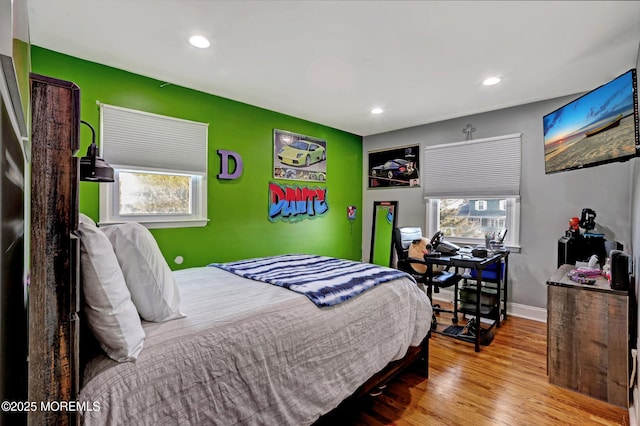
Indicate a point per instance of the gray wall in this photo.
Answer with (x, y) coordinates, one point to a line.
(547, 201)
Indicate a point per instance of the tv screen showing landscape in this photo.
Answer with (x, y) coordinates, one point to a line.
(597, 128)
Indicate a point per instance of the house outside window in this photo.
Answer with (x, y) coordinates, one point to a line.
(468, 220)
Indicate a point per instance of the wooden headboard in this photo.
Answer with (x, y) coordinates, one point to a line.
(53, 291)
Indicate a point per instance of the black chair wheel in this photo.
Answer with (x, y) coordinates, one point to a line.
(434, 322)
(454, 320)
(436, 306)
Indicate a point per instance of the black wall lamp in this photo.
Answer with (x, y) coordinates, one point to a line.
(92, 167)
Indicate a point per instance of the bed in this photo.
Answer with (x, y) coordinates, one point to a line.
(253, 353)
(245, 352)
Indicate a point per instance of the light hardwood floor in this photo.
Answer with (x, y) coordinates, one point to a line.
(505, 383)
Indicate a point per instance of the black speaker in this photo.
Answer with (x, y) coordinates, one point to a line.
(566, 251)
(612, 245)
(572, 250)
(619, 270)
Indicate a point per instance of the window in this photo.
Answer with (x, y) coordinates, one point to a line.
(473, 189)
(458, 219)
(160, 169)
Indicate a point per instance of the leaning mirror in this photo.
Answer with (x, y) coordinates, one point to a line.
(383, 221)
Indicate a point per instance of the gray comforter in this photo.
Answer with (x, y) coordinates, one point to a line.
(254, 354)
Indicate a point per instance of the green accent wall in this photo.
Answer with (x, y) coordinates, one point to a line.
(22, 63)
(238, 209)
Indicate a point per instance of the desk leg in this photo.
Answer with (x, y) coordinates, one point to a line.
(478, 296)
(455, 300)
(505, 284)
(498, 284)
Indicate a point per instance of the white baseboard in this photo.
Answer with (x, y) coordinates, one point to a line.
(515, 309)
(526, 311)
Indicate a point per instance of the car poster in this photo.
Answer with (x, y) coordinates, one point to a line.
(299, 157)
(394, 168)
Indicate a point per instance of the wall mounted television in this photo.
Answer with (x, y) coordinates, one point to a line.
(599, 127)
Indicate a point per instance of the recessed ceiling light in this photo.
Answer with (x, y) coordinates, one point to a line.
(491, 81)
(199, 41)
(377, 111)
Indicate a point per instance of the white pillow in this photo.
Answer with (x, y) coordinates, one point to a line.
(111, 314)
(148, 277)
(83, 218)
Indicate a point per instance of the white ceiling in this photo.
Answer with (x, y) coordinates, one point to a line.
(332, 61)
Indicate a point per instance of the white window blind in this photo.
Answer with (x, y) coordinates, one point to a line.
(139, 139)
(479, 168)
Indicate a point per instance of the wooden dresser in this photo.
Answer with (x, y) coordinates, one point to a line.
(588, 337)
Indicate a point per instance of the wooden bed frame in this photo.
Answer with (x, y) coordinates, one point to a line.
(54, 293)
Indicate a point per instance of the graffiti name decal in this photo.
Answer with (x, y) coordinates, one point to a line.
(293, 203)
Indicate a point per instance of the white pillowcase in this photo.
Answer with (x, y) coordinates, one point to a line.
(83, 218)
(148, 277)
(111, 315)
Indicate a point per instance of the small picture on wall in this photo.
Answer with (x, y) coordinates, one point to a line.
(299, 157)
(394, 168)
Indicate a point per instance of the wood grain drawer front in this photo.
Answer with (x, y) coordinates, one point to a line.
(588, 342)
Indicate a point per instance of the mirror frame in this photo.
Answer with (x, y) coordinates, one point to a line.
(394, 225)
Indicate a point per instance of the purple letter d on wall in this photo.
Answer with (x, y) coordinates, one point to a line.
(224, 164)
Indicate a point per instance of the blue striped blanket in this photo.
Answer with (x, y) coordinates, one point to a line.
(326, 281)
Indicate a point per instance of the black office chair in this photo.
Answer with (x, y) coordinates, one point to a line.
(402, 239)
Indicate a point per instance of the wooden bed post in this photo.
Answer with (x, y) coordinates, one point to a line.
(53, 295)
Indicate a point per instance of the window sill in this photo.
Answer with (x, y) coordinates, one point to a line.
(459, 242)
(158, 224)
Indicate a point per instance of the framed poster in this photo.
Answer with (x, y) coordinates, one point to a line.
(299, 157)
(394, 168)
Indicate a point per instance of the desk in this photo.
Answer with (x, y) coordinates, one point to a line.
(478, 264)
